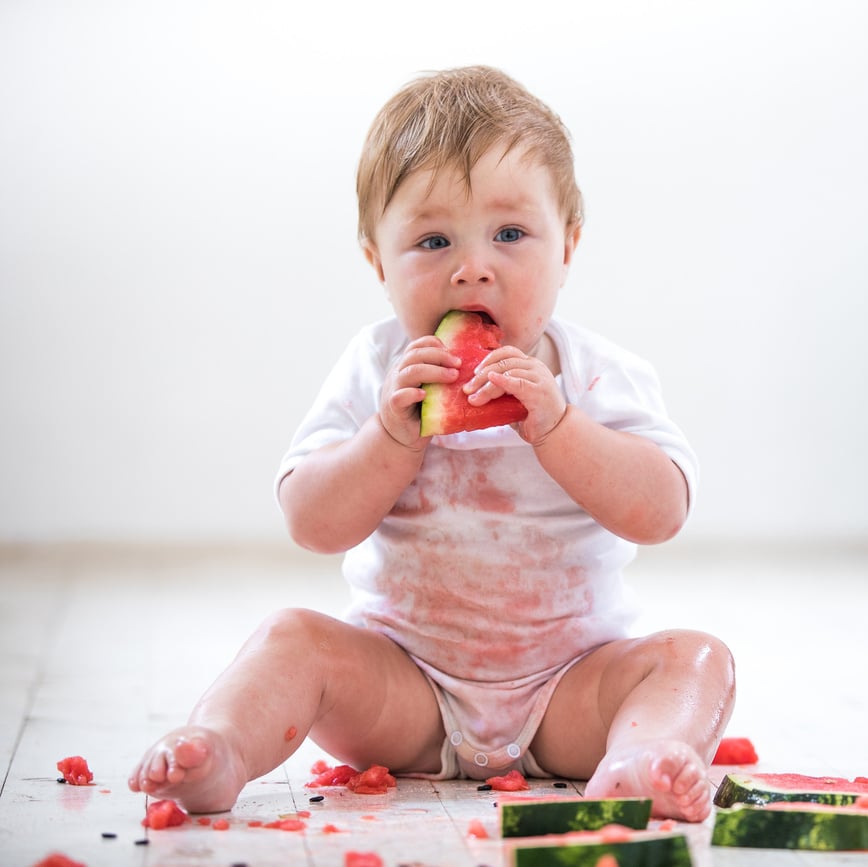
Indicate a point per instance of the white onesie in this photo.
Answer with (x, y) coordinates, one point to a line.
(485, 571)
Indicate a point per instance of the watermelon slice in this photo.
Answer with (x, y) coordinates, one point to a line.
(787, 825)
(445, 409)
(763, 788)
(588, 849)
(532, 817)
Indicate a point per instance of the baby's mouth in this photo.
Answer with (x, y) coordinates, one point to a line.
(486, 317)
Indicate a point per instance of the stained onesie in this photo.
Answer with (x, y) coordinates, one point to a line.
(488, 575)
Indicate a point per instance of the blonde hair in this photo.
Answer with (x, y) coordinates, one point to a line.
(451, 119)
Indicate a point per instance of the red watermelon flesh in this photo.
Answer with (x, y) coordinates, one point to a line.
(445, 409)
(735, 751)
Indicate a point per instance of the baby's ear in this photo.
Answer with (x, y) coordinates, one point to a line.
(571, 241)
(369, 248)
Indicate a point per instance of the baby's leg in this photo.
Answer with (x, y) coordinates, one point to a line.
(354, 691)
(642, 718)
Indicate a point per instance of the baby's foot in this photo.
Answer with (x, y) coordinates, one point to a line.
(193, 765)
(667, 771)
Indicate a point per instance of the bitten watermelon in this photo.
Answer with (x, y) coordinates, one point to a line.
(763, 788)
(787, 825)
(587, 849)
(445, 409)
(532, 817)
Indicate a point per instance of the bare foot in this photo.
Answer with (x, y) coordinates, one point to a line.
(194, 765)
(668, 772)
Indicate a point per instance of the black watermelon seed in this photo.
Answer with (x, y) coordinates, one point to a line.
(143, 842)
(560, 785)
(314, 799)
(485, 787)
(61, 780)
(109, 835)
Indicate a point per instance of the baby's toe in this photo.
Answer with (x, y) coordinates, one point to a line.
(190, 753)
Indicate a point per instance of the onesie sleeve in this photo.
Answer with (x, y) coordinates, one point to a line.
(622, 391)
(349, 395)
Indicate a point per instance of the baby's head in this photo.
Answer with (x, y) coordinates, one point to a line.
(450, 119)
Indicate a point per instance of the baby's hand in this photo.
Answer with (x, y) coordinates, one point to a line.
(508, 370)
(425, 360)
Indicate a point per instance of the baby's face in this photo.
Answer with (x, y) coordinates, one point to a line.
(500, 247)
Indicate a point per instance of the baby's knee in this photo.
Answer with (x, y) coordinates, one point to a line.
(295, 629)
(699, 649)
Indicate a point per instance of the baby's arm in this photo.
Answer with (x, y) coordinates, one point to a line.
(624, 481)
(337, 496)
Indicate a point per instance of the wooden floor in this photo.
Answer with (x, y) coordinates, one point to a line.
(103, 650)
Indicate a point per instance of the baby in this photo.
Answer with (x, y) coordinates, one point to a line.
(488, 624)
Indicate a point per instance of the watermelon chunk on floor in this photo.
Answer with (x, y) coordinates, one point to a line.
(75, 771)
(164, 814)
(445, 409)
(735, 751)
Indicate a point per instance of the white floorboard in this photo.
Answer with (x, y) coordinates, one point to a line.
(102, 650)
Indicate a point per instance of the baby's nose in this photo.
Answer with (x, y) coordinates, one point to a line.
(471, 271)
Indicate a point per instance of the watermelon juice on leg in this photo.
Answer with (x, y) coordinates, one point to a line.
(652, 711)
(488, 630)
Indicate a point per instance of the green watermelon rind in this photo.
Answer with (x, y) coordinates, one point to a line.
(755, 827)
(750, 789)
(666, 851)
(529, 818)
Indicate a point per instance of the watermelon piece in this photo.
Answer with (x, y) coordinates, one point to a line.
(362, 859)
(787, 825)
(445, 409)
(75, 771)
(735, 751)
(376, 780)
(532, 817)
(328, 776)
(588, 849)
(764, 788)
(164, 814)
(58, 859)
(511, 782)
(286, 825)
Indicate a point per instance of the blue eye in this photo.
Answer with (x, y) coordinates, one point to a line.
(509, 235)
(435, 242)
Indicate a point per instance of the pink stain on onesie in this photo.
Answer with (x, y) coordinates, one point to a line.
(493, 579)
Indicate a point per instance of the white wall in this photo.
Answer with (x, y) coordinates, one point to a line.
(178, 265)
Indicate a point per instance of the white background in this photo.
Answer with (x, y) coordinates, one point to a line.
(179, 268)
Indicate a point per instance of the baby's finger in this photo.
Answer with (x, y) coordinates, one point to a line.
(512, 365)
(418, 375)
(486, 392)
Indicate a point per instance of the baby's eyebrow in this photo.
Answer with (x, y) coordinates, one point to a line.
(508, 205)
